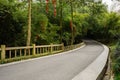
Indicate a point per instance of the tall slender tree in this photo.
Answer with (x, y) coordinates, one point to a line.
(29, 23)
(72, 35)
(61, 17)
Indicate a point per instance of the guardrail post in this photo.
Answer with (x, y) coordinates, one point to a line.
(34, 52)
(51, 47)
(2, 52)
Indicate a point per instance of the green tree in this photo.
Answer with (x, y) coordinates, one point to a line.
(12, 20)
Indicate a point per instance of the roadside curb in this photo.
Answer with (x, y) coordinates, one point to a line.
(95, 68)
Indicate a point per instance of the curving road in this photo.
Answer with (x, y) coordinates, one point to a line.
(63, 66)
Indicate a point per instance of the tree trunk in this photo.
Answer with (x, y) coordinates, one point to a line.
(72, 39)
(61, 14)
(29, 24)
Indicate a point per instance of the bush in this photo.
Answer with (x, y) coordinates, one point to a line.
(116, 66)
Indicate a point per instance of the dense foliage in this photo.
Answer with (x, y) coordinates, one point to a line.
(90, 20)
(12, 22)
(116, 61)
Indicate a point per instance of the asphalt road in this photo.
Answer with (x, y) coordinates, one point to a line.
(58, 67)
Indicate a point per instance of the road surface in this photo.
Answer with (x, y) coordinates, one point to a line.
(58, 67)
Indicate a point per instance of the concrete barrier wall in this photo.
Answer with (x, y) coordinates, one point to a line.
(94, 69)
